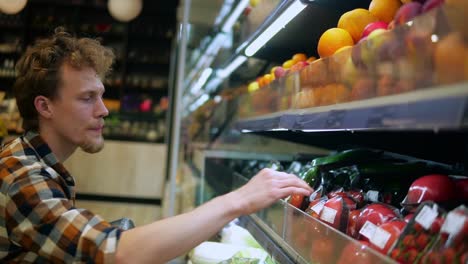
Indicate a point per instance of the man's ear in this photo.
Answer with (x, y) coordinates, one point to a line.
(43, 106)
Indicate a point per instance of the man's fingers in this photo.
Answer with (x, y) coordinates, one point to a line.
(294, 182)
(293, 190)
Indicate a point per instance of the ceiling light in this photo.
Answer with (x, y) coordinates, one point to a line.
(201, 81)
(124, 10)
(11, 7)
(234, 15)
(291, 12)
(225, 72)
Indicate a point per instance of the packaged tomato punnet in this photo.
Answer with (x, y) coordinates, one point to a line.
(315, 207)
(335, 213)
(371, 217)
(420, 233)
(451, 245)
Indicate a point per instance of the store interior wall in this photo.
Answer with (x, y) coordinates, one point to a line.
(126, 179)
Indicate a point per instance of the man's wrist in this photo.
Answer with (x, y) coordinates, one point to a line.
(235, 203)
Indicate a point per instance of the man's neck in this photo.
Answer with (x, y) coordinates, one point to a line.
(60, 147)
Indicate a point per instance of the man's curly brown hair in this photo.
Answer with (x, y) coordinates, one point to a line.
(39, 69)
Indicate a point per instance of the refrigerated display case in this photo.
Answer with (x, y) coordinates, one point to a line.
(404, 91)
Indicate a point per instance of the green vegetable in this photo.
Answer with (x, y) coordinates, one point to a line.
(311, 176)
(348, 157)
(237, 235)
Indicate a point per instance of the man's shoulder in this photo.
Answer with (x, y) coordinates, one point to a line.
(17, 156)
(17, 148)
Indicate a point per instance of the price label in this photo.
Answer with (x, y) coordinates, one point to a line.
(317, 208)
(380, 238)
(372, 196)
(426, 217)
(335, 119)
(328, 215)
(453, 223)
(368, 229)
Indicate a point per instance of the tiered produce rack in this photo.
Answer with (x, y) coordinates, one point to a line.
(404, 102)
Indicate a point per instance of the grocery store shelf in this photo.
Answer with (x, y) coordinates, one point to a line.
(440, 108)
(320, 15)
(271, 242)
(289, 235)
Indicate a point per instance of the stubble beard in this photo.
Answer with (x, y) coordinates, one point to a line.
(93, 146)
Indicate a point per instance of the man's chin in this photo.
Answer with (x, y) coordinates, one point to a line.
(93, 147)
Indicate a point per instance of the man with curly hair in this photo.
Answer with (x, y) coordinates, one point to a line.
(59, 95)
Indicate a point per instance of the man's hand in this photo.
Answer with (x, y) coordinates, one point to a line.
(168, 238)
(267, 187)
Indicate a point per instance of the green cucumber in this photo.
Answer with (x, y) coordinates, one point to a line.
(348, 157)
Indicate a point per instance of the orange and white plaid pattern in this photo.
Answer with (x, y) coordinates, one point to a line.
(38, 220)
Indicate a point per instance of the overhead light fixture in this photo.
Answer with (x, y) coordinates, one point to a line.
(207, 56)
(224, 11)
(201, 81)
(225, 72)
(291, 12)
(124, 10)
(11, 7)
(213, 84)
(215, 44)
(199, 102)
(227, 26)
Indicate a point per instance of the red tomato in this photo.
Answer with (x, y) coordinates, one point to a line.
(396, 253)
(336, 193)
(356, 252)
(432, 257)
(332, 212)
(394, 228)
(376, 214)
(412, 254)
(350, 203)
(449, 255)
(352, 222)
(409, 241)
(296, 200)
(357, 196)
(436, 225)
(421, 241)
(408, 217)
(434, 187)
(464, 258)
(322, 250)
(311, 205)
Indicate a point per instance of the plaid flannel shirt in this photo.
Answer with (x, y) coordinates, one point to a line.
(38, 220)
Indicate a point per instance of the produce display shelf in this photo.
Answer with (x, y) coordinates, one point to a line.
(428, 109)
(301, 237)
(272, 243)
(321, 14)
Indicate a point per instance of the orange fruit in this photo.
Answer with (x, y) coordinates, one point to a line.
(311, 59)
(332, 40)
(299, 57)
(287, 64)
(342, 49)
(451, 59)
(272, 71)
(268, 78)
(384, 10)
(355, 21)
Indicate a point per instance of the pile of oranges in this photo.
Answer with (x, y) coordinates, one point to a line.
(351, 25)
